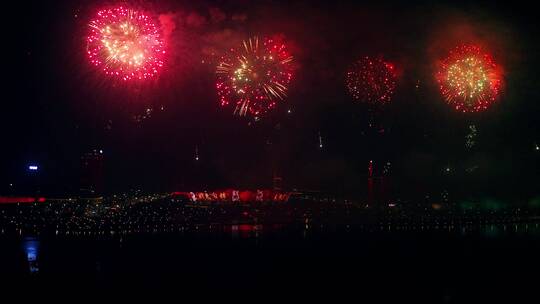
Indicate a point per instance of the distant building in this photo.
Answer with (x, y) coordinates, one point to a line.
(277, 183)
(92, 174)
(379, 185)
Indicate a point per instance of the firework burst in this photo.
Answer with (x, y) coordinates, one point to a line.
(125, 43)
(255, 76)
(372, 80)
(469, 79)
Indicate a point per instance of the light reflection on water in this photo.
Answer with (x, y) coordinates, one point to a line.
(247, 230)
(485, 230)
(532, 229)
(31, 250)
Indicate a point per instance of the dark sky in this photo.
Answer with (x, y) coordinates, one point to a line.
(57, 107)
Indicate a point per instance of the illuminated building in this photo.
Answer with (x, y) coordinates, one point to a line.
(92, 174)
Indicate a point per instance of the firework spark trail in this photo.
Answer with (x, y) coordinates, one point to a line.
(255, 76)
(371, 80)
(125, 43)
(469, 79)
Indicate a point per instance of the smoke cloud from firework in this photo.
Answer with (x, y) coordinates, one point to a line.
(198, 35)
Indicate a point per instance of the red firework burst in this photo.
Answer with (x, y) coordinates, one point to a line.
(125, 43)
(255, 76)
(372, 80)
(469, 79)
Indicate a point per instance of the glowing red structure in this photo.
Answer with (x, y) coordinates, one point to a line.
(125, 43)
(16, 200)
(238, 196)
(469, 79)
(255, 76)
(372, 80)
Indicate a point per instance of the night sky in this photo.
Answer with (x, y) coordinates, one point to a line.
(56, 106)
